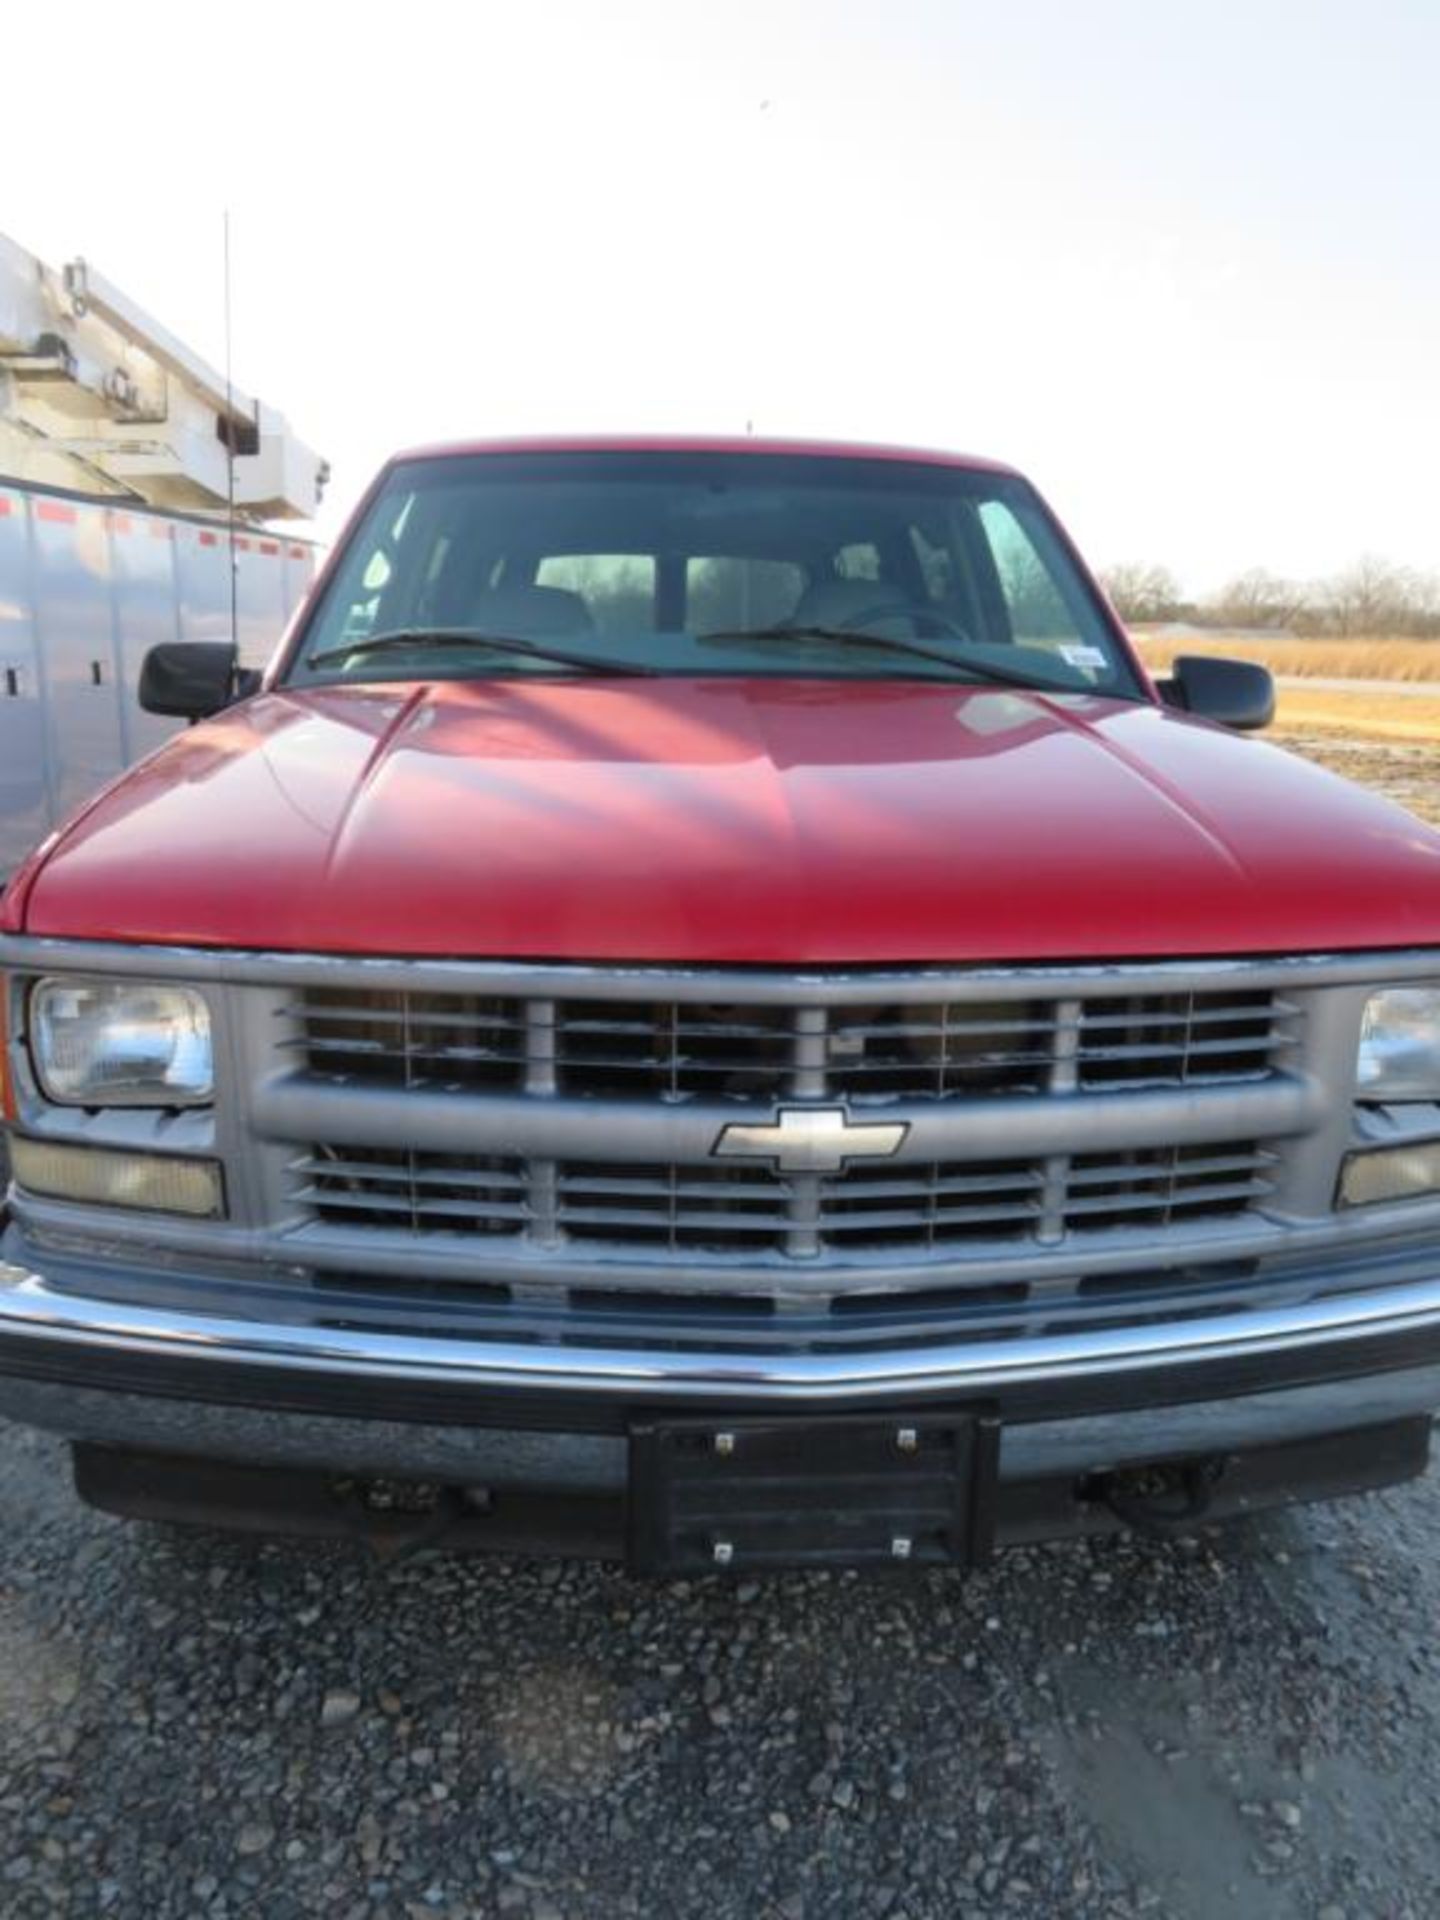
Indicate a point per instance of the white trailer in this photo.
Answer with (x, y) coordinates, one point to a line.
(119, 453)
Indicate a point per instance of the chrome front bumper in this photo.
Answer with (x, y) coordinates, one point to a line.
(348, 1399)
(95, 1331)
(260, 1423)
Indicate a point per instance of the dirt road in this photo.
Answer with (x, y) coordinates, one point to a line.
(1414, 689)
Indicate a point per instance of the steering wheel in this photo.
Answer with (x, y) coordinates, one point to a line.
(929, 622)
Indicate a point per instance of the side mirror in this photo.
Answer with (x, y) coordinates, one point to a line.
(1234, 693)
(190, 679)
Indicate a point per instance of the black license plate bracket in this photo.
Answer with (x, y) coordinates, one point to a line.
(713, 1494)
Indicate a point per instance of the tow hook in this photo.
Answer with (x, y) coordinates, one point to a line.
(397, 1518)
(1161, 1500)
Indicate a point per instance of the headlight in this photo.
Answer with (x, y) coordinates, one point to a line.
(1400, 1045)
(121, 1043)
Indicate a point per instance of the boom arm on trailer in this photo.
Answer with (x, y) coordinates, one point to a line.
(97, 396)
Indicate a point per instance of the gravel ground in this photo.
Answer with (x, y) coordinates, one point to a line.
(1247, 1722)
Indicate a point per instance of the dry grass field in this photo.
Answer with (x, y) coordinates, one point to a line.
(1366, 711)
(1368, 714)
(1291, 658)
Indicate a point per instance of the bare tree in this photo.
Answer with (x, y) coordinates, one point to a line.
(1257, 599)
(1037, 611)
(1371, 597)
(1142, 593)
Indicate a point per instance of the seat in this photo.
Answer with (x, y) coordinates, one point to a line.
(845, 603)
(532, 613)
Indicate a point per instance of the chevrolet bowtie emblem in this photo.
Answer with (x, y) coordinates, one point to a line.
(810, 1140)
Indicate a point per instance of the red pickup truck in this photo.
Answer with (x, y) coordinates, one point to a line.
(707, 1009)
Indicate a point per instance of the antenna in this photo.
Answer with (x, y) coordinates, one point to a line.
(230, 460)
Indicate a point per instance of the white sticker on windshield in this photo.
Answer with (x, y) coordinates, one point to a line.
(1084, 656)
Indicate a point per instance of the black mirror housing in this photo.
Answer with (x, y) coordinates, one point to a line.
(188, 679)
(1233, 693)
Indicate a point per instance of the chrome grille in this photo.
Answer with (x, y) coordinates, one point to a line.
(613, 1049)
(757, 1211)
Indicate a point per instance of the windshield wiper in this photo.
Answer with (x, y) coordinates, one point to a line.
(463, 637)
(851, 637)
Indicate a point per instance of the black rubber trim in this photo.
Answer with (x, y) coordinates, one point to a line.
(271, 1500)
(188, 1376)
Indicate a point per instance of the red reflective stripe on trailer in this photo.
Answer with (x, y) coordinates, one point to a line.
(269, 546)
(4, 506)
(160, 531)
(209, 539)
(242, 543)
(119, 523)
(299, 553)
(60, 511)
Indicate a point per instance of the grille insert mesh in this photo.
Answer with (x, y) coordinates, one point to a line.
(758, 1211)
(614, 1049)
(763, 1055)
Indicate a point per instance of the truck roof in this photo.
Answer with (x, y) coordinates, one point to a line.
(700, 443)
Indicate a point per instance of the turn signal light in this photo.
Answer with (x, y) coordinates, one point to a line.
(102, 1177)
(1391, 1173)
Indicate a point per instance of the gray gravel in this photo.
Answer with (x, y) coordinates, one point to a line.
(193, 1725)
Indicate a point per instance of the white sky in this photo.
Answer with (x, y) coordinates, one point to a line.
(1179, 259)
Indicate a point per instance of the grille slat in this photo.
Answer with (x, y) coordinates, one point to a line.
(1211, 1198)
(412, 1206)
(1198, 1163)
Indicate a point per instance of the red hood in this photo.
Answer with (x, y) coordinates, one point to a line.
(733, 821)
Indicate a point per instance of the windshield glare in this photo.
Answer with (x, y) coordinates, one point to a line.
(710, 564)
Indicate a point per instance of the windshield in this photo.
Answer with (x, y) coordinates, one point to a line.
(696, 563)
